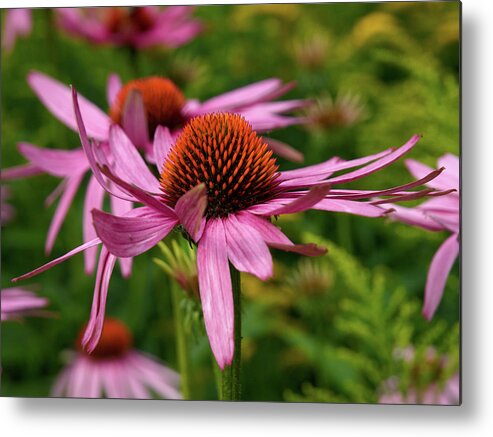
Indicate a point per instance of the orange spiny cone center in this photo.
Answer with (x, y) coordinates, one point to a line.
(121, 19)
(115, 340)
(163, 102)
(223, 152)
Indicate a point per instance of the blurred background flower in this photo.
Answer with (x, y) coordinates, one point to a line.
(17, 303)
(115, 370)
(17, 23)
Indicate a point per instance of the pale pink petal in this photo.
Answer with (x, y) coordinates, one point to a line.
(120, 208)
(247, 250)
(274, 237)
(216, 292)
(129, 165)
(113, 87)
(350, 207)
(134, 119)
(71, 20)
(61, 211)
(190, 210)
(414, 217)
(452, 164)
(20, 171)
(284, 150)
(59, 260)
(163, 141)
(94, 327)
(304, 202)
(93, 200)
(131, 236)
(60, 163)
(437, 274)
(443, 182)
(138, 195)
(60, 386)
(57, 99)
(18, 22)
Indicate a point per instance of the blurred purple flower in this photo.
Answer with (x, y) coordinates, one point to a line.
(437, 214)
(138, 27)
(432, 393)
(115, 370)
(17, 303)
(18, 22)
(219, 182)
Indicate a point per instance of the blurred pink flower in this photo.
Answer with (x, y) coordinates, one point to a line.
(16, 303)
(138, 27)
(220, 182)
(115, 370)
(18, 22)
(139, 107)
(432, 393)
(437, 214)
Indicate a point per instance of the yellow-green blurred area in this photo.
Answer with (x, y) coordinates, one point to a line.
(322, 330)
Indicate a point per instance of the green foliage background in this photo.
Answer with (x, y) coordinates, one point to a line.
(336, 345)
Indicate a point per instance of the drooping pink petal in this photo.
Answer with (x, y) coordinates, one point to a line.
(132, 235)
(59, 260)
(72, 21)
(284, 150)
(247, 250)
(121, 208)
(414, 217)
(18, 22)
(163, 142)
(129, 165)
(437, 274)
(94, 328)
(215, 291)
(57, 99)
(350, 207)
(304, 202)
(93, 200)
(452, 164)
(274, 237)
(68, 195)
(190, 210)
(112, 88)
(19, 171)
(134, 119)
(138, 195)
(443, 182)
(61, 163)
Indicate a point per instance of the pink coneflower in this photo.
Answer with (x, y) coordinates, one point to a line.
(438, 214)
(221, 183)
(139, 107)
(18, 22)
(115, 370)
(138, 27)
(16, 303)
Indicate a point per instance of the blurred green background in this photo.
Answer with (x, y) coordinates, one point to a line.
(322, 330)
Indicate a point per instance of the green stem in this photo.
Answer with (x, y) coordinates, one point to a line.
(181, 340)
(231, 384)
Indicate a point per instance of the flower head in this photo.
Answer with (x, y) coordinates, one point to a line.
(137, 27)
(16, 303)
(115, 370)
(231, 229)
